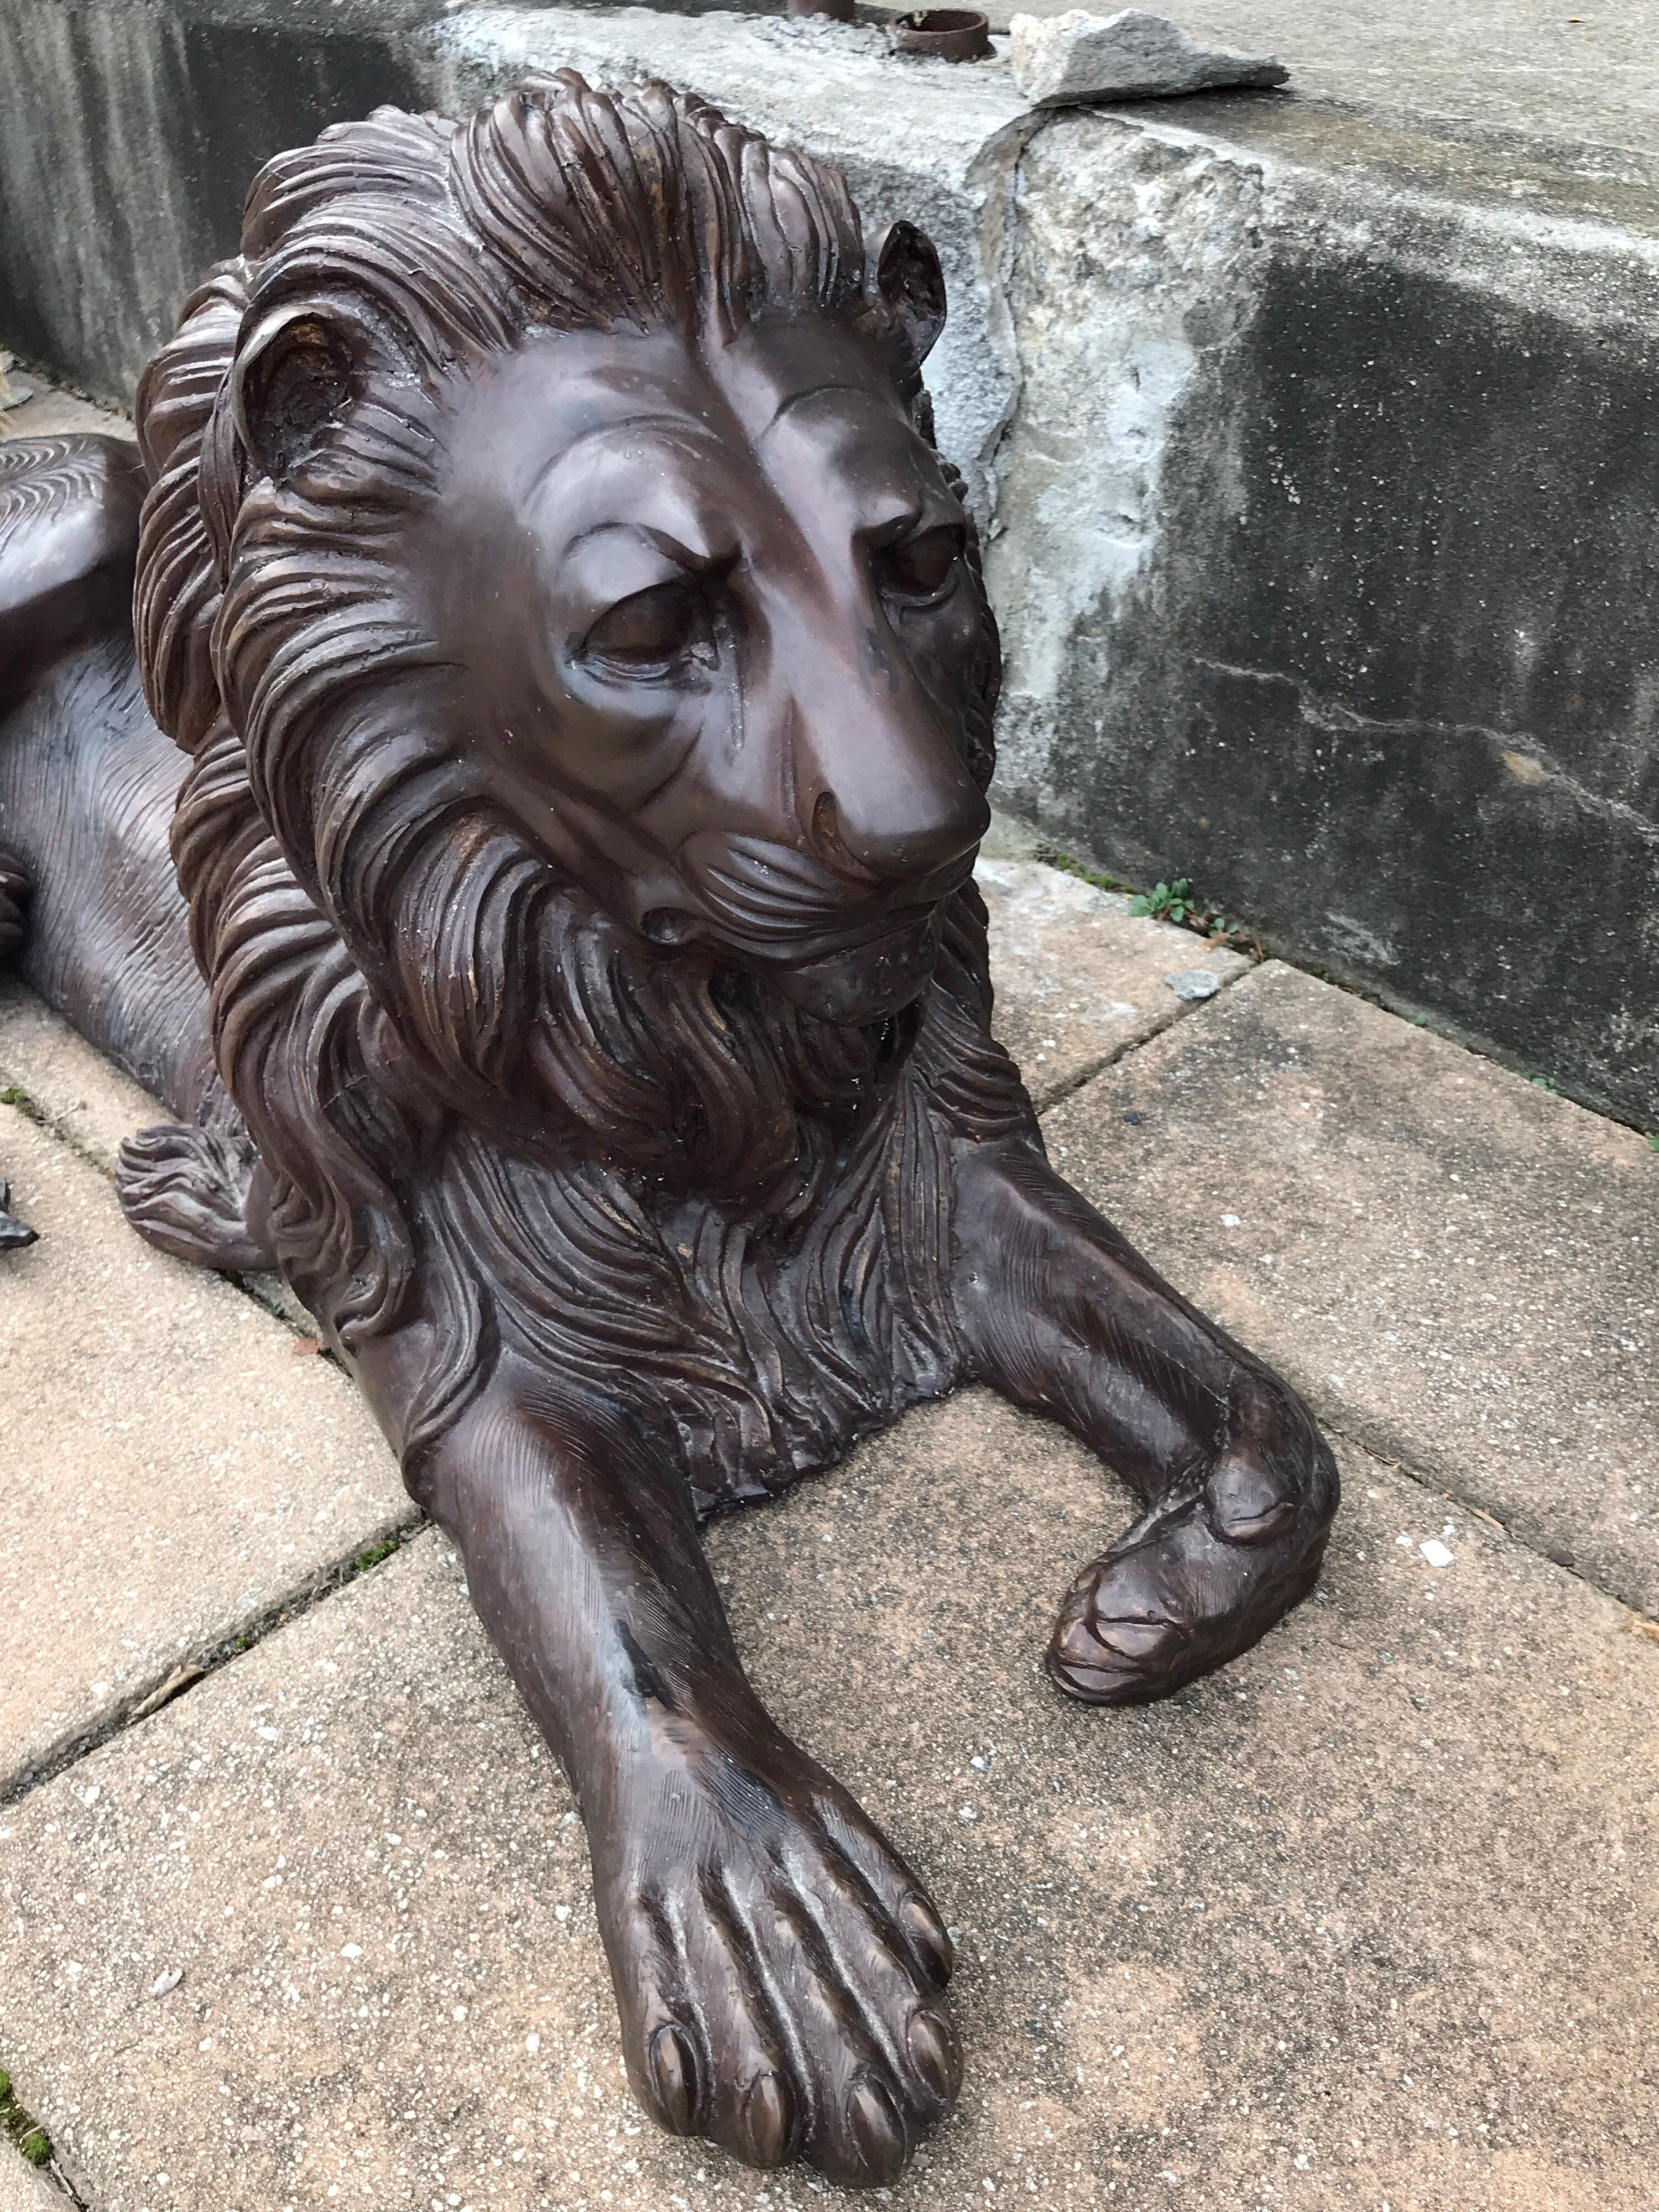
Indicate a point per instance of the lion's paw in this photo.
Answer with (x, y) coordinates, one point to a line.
(781, 1980)
(1188, 1589)
(186, 1190)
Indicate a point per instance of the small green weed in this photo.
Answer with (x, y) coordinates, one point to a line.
(1546, 1082)
(26, 2133)
(1171, 902)
(376, 1552)
(1653, 1139)
(1177, 901)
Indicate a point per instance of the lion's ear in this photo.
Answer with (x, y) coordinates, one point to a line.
(911, 281)
(294, 379)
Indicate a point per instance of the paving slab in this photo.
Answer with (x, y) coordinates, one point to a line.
(170, 1472)
(1365, 1919)
(1455, 1266)
(1079, 979)
(51, 412)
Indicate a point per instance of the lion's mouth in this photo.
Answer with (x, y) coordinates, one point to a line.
(771, 905)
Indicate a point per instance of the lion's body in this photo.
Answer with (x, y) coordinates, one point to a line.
(87, 790)
(88, 782)
(755, 1346)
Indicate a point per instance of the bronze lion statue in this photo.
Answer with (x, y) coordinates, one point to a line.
(563, 961)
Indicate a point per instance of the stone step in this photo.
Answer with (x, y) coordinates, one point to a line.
(1364, 1919)
(1455, 1267)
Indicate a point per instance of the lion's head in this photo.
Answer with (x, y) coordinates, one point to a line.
(580, 642)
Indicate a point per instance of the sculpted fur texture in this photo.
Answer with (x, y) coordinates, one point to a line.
(588, 686)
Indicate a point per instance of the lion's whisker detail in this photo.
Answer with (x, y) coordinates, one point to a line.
(579, 988)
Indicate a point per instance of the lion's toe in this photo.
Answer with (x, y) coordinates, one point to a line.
(780, 2000)
(186, 1191)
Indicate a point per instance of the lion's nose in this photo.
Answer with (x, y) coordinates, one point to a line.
(900, 831)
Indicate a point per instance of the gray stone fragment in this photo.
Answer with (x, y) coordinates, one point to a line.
(1195, 983)
(1059, 60)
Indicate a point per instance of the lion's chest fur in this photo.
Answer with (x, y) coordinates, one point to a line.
(752, 1350)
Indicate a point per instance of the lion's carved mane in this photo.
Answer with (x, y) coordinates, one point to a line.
(485, 1106)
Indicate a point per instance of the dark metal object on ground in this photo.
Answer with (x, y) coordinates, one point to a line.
(13, 1234)
(948, 35)
(579, 654)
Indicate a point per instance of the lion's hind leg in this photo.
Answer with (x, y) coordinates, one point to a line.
(196, 1193)
(69, 531)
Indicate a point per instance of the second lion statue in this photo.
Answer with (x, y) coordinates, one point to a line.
(579, 987)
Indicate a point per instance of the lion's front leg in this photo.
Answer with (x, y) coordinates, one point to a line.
(778, 1968)
(1237, 1487)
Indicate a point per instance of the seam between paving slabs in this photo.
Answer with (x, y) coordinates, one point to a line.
(52, 2174)
(1637, 1623)
(315, 1591)
(1372, 992)
(1180, 1011)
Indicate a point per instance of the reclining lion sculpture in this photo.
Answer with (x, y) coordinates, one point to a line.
(579, 987)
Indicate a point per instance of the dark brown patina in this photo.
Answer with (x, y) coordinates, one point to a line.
(579, 987)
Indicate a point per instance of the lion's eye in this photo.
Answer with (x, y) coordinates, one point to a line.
(650, 632)
(921, 568)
